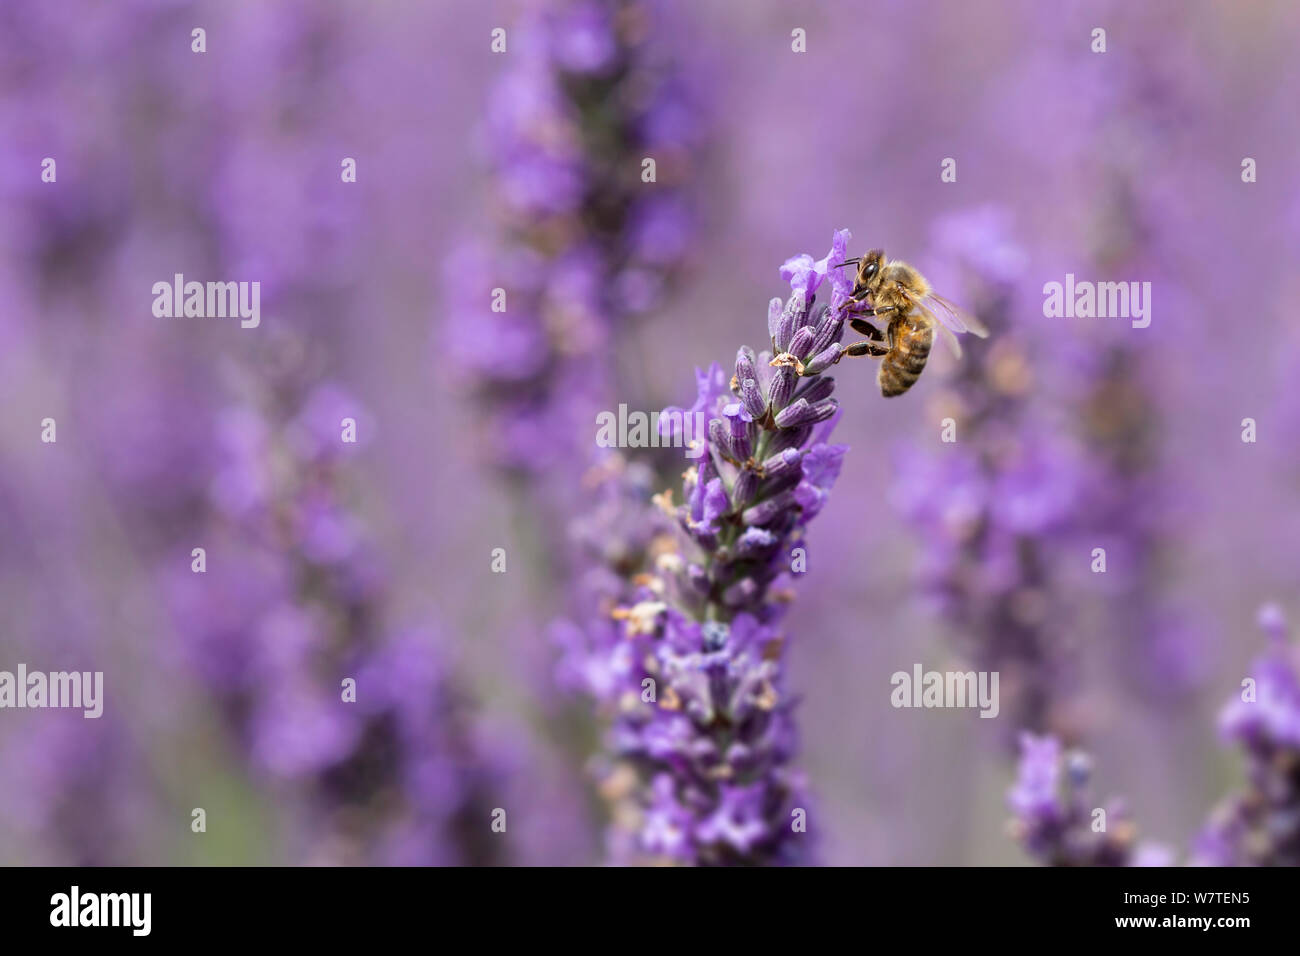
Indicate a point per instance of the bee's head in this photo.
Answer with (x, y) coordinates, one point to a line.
(870, 268)
(872, 264)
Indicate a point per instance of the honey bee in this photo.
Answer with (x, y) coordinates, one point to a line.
(898, 291)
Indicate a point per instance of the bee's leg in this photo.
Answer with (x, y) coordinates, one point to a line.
(867, 329)
(865, 347)
(876, 344)
(848, 308)
(854, 303)
(873, 333)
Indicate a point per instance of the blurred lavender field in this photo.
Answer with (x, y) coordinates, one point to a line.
(497, 680)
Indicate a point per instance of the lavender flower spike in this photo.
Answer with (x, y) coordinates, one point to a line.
(1057, 822)
(578, 243)
(299, 603)
(689, 658)
(1261, 825)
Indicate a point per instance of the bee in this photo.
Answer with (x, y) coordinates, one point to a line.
(915, 311)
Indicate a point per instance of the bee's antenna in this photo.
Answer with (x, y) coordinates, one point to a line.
(848, 262)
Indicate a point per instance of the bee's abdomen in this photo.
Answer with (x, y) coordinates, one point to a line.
(900, 369)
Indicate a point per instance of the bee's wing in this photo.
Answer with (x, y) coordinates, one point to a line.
(953, 316)
(945, 332)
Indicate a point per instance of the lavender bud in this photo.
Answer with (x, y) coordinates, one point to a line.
(704, 474)
(825, 409)
(775, 311)
(738, 420)
(752, 396)
(818, 389)
(745, 488)
(789, 438)
(769, 510)
(782, 387)
(801, 342)
(799, 302)
(782, 463)
(829, 331)
(789, 478)
(790, 317)
(745, 364)
(822, 360)
(800, 412)
(793, 414)
(720, 436)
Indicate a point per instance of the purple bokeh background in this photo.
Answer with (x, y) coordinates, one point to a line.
(225, 166)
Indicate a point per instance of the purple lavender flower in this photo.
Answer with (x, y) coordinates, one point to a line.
(998, 508)
(1261, 825)
(1112, 381)
(1055, 815)
(292, 604)
(1132, 505)
(684, 646)
(591, 89)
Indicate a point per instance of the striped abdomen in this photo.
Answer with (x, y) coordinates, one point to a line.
(900, 369)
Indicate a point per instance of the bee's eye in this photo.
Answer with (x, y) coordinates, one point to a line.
(870, 270)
